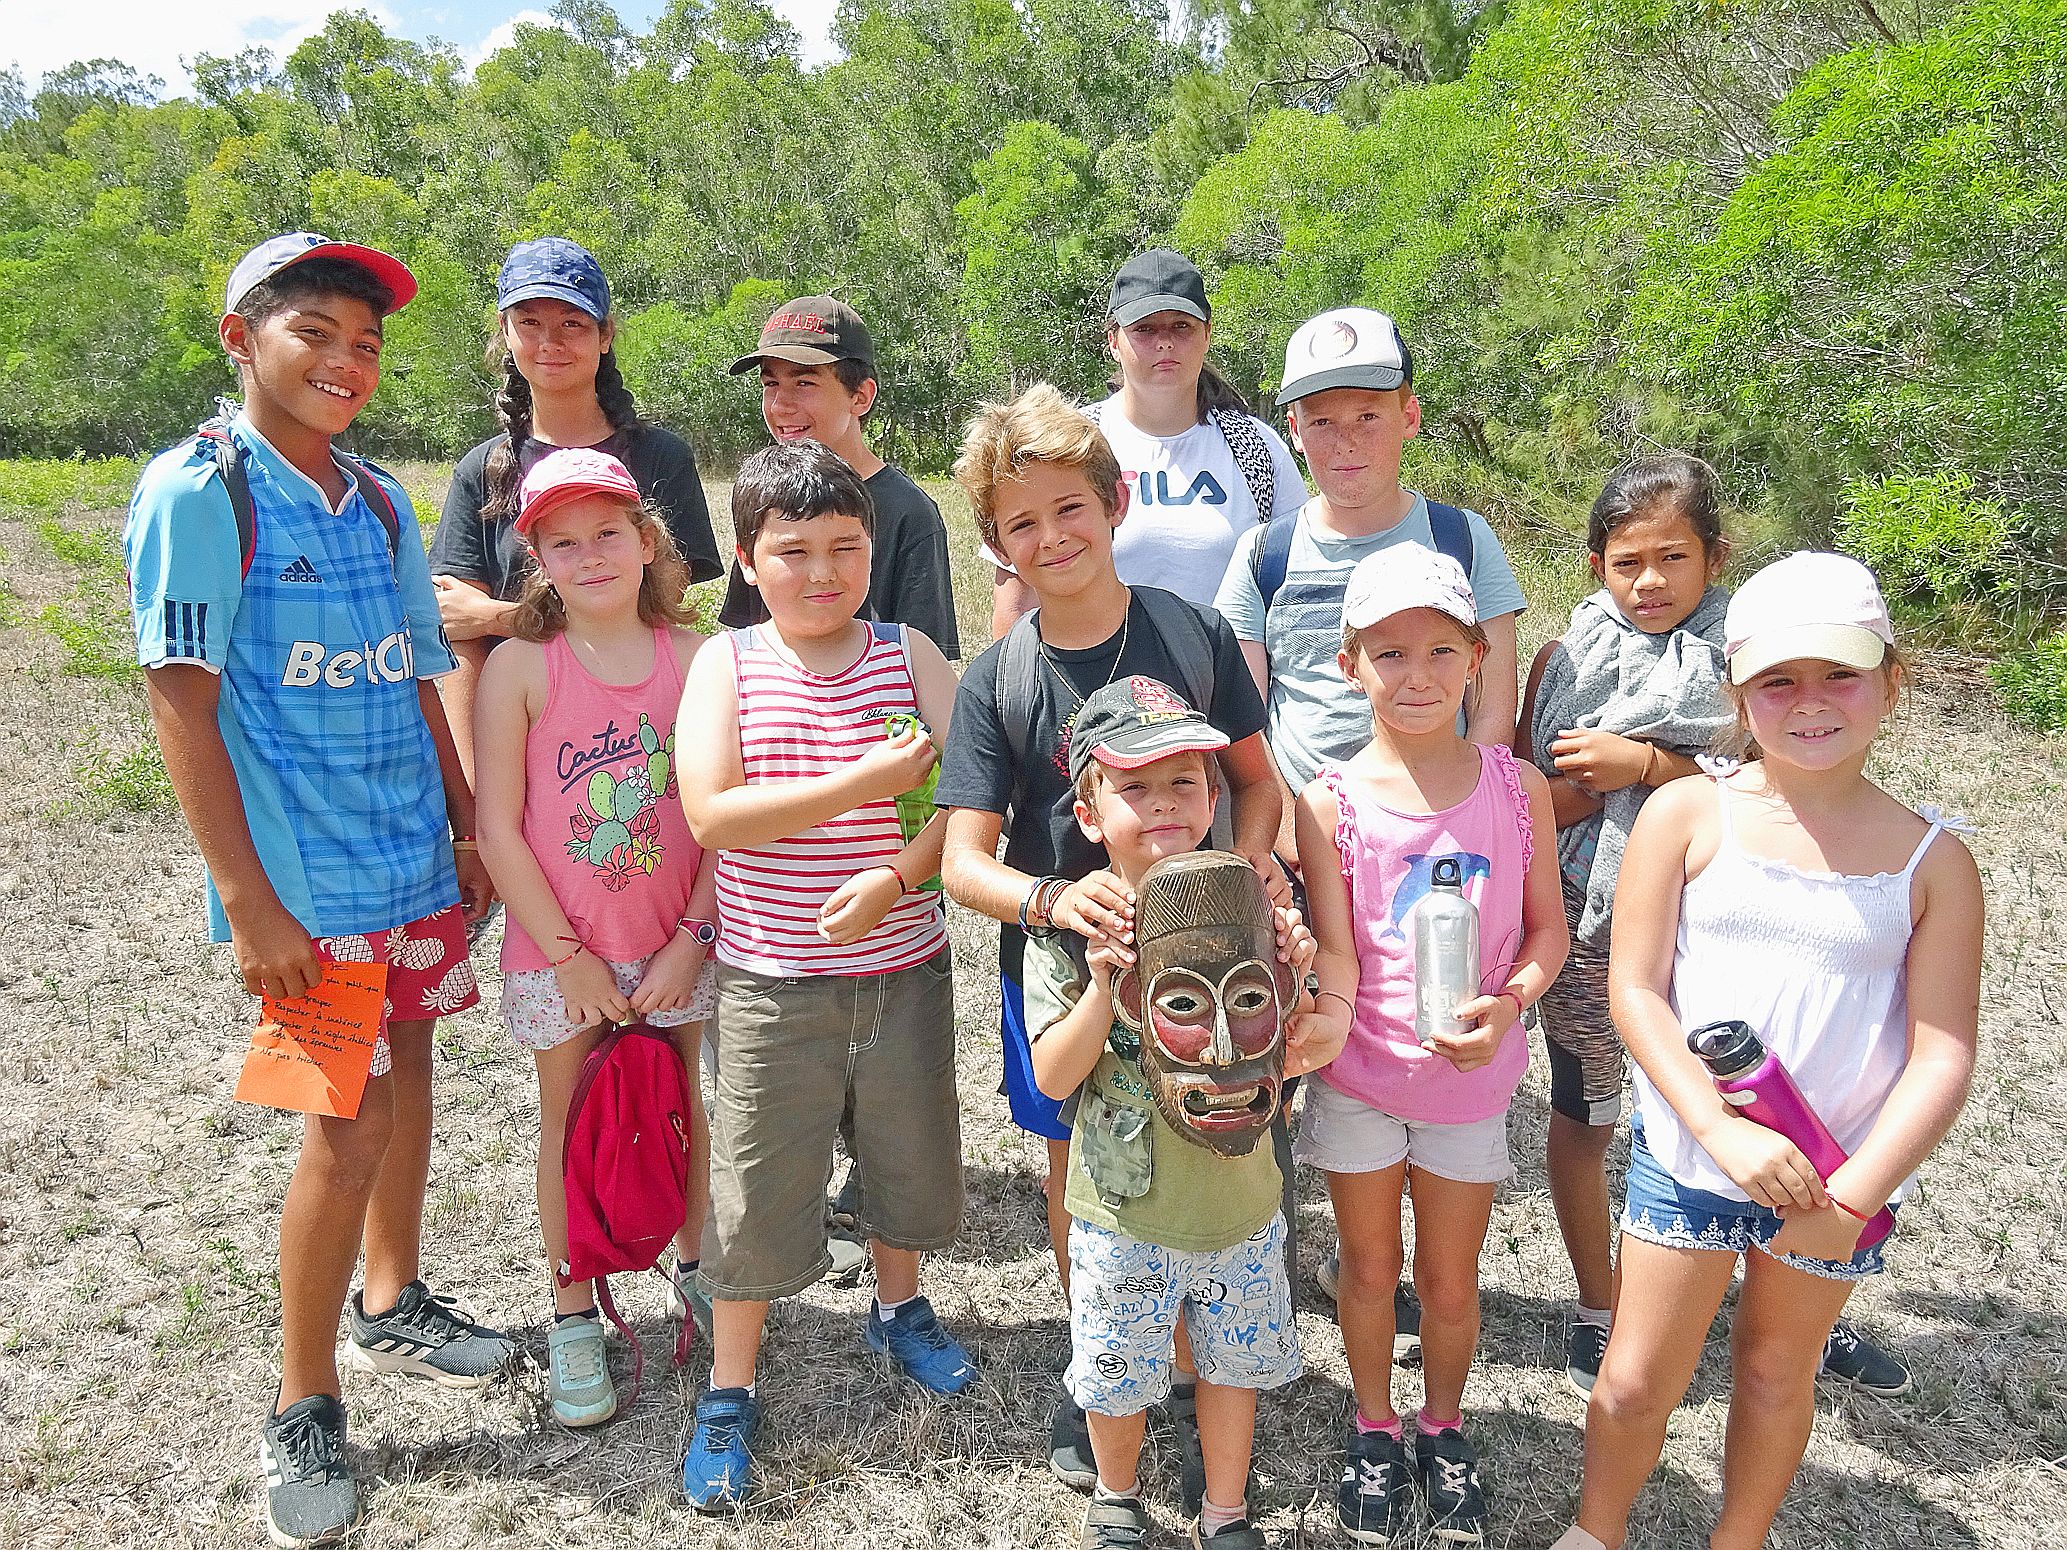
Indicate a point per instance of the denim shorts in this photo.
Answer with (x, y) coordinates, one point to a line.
(1661, 1210)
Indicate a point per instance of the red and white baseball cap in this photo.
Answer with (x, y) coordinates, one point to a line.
(1825, 607)
(569, 473)
(1404, 576)
(278, 253)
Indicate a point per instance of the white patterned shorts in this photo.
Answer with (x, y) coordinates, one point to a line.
(537, 1014)
(1124, 1300)
(429, 973)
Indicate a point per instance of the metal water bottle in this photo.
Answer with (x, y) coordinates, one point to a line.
(1446, 965)
(1752, 1081)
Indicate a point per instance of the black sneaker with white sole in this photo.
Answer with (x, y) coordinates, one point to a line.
(1848, 1355)
(311, 1498)
(1585, 1345)
(1377, 1488)
(1448, 1467)
(428, 1336)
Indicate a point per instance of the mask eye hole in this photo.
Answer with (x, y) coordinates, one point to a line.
(1248, 1000)
(1184, 1004)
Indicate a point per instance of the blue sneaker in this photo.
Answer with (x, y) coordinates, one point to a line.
(928, 1354)
(717, 1472)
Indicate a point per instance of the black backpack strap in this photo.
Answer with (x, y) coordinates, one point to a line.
(1272, 556)
(1251, 457)
(1019, 669)
(1187, 640)
(229, 467)
(375, 495)
(1451, 529)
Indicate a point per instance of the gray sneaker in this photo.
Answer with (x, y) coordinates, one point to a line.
(843, 1232)
(311, 1498)
(578, 1373)
(686, 1296)
(427, 1336)
(1406, 1308)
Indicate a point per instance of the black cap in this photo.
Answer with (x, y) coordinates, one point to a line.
(1160, 280)
(1136, 721)
(812, 331)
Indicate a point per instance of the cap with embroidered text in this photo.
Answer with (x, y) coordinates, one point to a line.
(1136, 721)
(812, 331)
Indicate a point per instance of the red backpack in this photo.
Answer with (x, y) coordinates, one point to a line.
(625, 1166)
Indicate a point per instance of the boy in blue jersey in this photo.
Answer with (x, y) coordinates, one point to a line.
(288, 669)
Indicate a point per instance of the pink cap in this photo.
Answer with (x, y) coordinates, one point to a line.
(1825, 607)
(567, 474)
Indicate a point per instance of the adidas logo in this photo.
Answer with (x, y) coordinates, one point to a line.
(301, 570)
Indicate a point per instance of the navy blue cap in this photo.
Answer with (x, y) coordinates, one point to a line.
(556, 268)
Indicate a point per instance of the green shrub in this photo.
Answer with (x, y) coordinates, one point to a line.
(2032, 681)
(48, 486)
(135, 782)
(1927, 536)
(96, 639)
(93, 550)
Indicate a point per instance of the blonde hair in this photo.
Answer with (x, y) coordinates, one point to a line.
(1039, 426)
(1352, 639)
(541, 614)
(1736, 742)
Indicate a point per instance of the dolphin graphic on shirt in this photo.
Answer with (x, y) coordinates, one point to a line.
(1420, 876)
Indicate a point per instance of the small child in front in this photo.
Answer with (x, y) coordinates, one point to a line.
(1395, 1114)
(1162, 1226)
(834, 978)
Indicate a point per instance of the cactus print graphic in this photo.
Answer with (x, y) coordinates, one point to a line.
(615, 826)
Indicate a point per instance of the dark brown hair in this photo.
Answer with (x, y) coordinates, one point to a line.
(796, 481)
(505, 472)
(1672, 483)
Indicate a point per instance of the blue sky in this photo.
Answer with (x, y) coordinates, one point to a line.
(155, 37)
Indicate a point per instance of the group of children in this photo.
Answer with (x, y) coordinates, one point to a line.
(706, 835)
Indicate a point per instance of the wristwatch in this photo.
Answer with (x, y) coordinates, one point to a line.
(705, 931)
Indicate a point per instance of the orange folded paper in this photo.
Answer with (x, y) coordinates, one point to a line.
(312, 1054)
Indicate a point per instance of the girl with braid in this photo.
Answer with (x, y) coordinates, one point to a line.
(560, 388)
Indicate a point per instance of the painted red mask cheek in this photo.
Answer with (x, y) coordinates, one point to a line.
(1181, 1041)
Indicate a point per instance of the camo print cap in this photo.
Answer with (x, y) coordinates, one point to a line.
(554, 269)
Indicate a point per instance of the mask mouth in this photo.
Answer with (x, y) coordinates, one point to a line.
(1241, 1107)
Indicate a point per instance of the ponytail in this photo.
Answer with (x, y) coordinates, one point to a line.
(1217, 393)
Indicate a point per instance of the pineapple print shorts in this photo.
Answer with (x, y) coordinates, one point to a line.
(429, 974)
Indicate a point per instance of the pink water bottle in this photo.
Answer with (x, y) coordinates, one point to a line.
(1751, 1080)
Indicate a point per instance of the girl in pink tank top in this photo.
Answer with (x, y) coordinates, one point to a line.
(611, 903)
(1391, 1108)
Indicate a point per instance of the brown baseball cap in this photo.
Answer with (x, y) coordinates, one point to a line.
(812, 331)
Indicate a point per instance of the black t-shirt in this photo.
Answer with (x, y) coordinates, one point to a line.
(472, 548)
(976, 769)
(908, 579)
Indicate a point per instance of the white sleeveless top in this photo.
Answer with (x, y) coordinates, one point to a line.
(1815, 962)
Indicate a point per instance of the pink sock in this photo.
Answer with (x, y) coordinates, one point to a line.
(1213, 1518)
(1428, 1428)
(1391, 1426)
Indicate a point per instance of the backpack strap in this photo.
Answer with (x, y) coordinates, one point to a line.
(1251, 457)
(1019, 670)
(1187, 640)
(229, 467)
(1272, 556)
(1451, 529)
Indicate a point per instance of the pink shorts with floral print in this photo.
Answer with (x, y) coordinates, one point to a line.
(429, 973)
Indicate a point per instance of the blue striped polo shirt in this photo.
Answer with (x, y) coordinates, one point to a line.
(320, 649)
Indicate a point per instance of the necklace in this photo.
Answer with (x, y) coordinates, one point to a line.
(1069, 722)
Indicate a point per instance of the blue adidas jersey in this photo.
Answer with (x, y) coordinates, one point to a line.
(320, 649)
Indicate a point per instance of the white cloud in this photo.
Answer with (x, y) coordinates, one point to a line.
(502, 36)
(153, 37)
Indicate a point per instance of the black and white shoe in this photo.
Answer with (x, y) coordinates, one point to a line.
(427, 1336)
(311, 1498)
(1848, 1355)
(1585, 1345)
(1448, 1467)
(1377, 1488)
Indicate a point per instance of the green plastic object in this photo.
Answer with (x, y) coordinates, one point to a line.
(915, 808)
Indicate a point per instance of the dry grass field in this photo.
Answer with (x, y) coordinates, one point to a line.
(137, 1209)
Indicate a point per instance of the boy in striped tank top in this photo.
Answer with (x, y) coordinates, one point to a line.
(834, 979)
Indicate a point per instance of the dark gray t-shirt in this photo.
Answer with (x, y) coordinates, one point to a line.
(976, 769)
(488, 550)
(908, 580)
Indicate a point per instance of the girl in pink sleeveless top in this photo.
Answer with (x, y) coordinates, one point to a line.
(611, 903)
(1391, 1109)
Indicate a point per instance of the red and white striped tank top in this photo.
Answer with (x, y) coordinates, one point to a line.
(793, 725)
